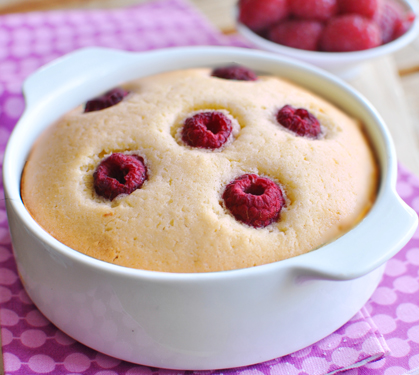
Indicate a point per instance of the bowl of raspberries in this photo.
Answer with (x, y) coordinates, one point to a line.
(337, 35)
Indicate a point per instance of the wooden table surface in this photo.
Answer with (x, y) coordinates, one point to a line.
(390, 83)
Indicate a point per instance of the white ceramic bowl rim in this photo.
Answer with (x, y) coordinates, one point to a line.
(351, 256)
(318, 57)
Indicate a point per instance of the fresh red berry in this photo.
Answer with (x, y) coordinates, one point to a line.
(302, 34)
(349, 32)
(366, 8)
(299, 121)
(119, 174)
(313, 9)
(209, 130)
(235, 72)
(388, 19)
(254, 200)
(259, 15)
(108, 99)
(404, 25)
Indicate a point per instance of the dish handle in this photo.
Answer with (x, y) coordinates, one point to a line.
(384, 231)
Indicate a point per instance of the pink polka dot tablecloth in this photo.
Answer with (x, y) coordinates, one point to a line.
(382, 339)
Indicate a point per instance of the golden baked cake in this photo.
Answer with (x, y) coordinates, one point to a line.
(200, 170)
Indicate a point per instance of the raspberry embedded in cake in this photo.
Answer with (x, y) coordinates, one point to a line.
(254, 200)
(119, 174)
(299, 121)
(106, 100)
(235, 72)
(208, 130)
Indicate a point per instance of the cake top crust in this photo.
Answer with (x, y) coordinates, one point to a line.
(178, 220)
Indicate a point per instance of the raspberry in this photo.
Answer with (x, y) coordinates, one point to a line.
(297, 34)
(119, 174)
(313, 9)
(259, 15)
(108, 99)
(366, 8)
(349, 32)
(208, 130)
(300, 121)
(403, 25)
(234, 72)
(254, 200)
(388, 19)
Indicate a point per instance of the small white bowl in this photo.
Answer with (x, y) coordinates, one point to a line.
(343, 64)
(208, 320)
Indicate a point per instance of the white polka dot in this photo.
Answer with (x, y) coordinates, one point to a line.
(398, 347)
(377, 364)
(21, 35)
(8, 317)
(279, 369)
(107, 372)
(63, 339)
(369, 308)
(395, 267)
(3, 218)
(357, 330)
(404, 189)
(11, 362)
(407, 312)
(302, 353)
(413, 180)
(14, 87)
(34, 18)
(330, 342)
(13, 107)
(345, 356)
(406, 284)
(5, 254)
(384, 323)
(415, 206)
(140, 370)
(36, 319)
(413, 334)
(24, 298)
(77, 362)
(413, 256)
(384, 296)
(315, 365)
(13, 20)
(41, 47)
(105, 361)
(395, 370)
(414, 362)
(6, 336)
(20, 50)
(5, 294)
(41, 363)
(33, 338)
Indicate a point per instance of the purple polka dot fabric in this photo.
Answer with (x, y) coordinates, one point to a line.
(381, 339)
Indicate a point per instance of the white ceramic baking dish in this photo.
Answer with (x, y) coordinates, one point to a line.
(197, 321)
